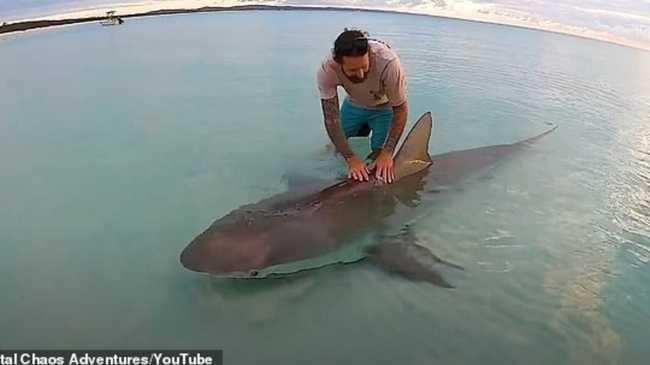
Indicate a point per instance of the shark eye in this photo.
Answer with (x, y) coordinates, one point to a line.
(253, 273)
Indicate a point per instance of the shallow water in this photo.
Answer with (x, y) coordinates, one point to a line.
(118, 146)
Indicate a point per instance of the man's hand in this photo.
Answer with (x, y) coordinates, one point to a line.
(384, 169)
(357, 169)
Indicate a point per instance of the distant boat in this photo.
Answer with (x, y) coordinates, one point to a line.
(111, 19)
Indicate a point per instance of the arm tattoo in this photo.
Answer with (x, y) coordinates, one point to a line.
(400, 114)
(333, 126)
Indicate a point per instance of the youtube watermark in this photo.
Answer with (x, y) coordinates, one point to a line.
(103, 357)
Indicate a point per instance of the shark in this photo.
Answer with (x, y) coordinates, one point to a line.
(345, 221)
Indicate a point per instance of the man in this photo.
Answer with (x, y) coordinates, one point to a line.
(375, 82)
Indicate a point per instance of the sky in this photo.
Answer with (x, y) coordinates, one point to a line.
(624, 19)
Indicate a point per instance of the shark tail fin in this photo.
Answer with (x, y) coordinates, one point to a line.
(534, 139)
(413, 155)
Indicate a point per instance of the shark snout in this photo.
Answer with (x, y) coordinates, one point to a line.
(224, 254)
(192, 258)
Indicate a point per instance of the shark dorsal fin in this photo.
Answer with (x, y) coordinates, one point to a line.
(413, 155)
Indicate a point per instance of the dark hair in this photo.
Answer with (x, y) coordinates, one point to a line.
(351, 43)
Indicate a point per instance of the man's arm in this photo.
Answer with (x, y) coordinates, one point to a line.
(334, 128)
(357, 169)
(400, 115)
(394, 81)
(384, 168)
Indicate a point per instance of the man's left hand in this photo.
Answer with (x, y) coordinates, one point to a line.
(383, 165)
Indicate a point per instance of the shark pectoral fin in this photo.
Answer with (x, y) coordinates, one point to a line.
(455, 266)
(410, 260)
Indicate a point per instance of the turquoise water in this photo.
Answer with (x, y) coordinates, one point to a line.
(118, 145)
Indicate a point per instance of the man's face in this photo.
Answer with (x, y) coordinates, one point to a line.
(356, 68)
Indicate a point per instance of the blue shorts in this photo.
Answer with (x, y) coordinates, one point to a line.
(354, 119)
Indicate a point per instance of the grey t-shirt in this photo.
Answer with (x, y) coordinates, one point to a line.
(385, 84)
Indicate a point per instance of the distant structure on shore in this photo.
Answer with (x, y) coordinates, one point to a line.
(111, 19)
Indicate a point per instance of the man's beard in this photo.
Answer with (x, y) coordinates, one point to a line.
(356, 80)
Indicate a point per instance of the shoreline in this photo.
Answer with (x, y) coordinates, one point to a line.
(93, 15)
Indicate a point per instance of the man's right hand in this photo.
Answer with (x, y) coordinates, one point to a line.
(357, 169)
